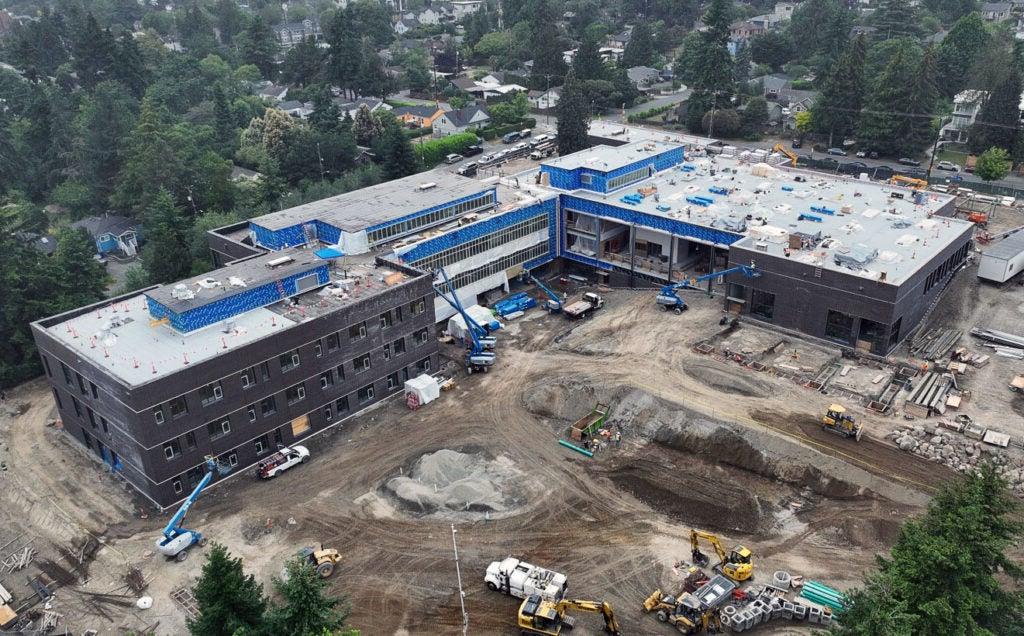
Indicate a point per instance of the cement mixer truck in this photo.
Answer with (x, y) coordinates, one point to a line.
(520, 579)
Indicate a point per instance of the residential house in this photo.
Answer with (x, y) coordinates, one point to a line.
(794, 101)
(744, 30)
(643, 76)
(418, 116)
(995, 11)
(351, 107)
(240, 174)
(619, 40)
(45, 243)
(772, 85)
(273, 92)
(296, 109)
(424, 16)
(782, 12)
(6, 23)
(292, 33)
(112, 233)
(544, 100)
(463, 8)
(405, 25)
(966, 106)
(455, 121)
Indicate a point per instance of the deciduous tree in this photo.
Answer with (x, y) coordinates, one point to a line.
(958, 52)
(993, 164)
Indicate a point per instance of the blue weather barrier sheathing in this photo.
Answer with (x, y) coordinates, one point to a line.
(644, 219)
(492, 193)
(809, 217)
(224, 308)
(787, 188)
(698, 201)
(565, 179)
(483, 228)
(663, 208)
(820, 209)
(687, 167)
(717, 190)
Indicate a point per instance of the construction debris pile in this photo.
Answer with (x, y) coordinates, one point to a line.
(1005, 344)
(451, 481)
(962, 445)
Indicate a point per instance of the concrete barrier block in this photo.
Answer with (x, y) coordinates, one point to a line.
(814, 615)
(787, 610)
(799, 611)
(826, 619)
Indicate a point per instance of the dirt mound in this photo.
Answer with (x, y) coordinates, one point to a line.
(450, 481)
(721, 380)
(867, 533)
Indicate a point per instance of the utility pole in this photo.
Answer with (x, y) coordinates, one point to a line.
(935, 149)
(462, 595)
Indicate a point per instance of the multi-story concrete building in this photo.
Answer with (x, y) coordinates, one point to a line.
(323, 309)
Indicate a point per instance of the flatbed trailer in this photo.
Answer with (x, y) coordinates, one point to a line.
(582, 308)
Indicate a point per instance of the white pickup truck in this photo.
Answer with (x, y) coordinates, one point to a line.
(520, 579)
(281, 461)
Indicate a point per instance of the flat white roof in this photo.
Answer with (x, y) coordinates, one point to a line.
(607, 158)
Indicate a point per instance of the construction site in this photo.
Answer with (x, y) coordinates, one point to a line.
(558, 434)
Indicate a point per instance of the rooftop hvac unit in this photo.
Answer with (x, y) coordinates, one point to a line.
(182, 292)
(277, 262)
(426, 186)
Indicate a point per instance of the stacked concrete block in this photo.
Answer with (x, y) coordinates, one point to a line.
(826, 618)
(799, 611)
(787, 610)
(814, 615)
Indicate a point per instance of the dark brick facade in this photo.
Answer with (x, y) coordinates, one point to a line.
(163, 460)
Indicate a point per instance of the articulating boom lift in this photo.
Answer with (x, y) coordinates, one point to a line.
(669, 299)
(477, 358)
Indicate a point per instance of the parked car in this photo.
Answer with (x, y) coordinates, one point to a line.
(906, 161)
(453, 158)
(829, 164)
(467, 169)
(867, 154)
(883, 173)
(838, 152)
(472, 151)
(520, 147)
(797, 143)
(855, 167)
(511, 137)
(488, 158)
(540, 139)
(947, 165)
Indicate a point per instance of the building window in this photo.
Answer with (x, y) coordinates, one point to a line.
(318, 348)
(190, 440)
(586, 179)
(218, 429)
(262, 445)
(268, 406)
(211, 394)
(81, 383)
(341, 405)
(421, 336)
(398, 346)
(387, 352)
(417, 307)
(894, 333)
(365, 394)
(393, 381)
(78, 407)
(248, 378)
(46, 365)
(361, 364)
(278, 440)
(423, 365)
(172, 450)
(398, 314)
(251, 410)
(56, 398)
(328, 413)
(94, 390)
(385, 320)
(295, 393)
(265, 370)
(326, 379)
(104, 425)
(67, 373)
(179, 408)
(178, 489)
(92, 416)
(289, 360)
(87, 439)
(357, 331)
(333, 342)
(341, 372)
(158, 415)
(762, 304)
(232, 459)
(839, 327)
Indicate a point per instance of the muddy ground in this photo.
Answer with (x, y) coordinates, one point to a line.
(705, 444)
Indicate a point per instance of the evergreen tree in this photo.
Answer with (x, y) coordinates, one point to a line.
(373, 80)
(416, 73)
(131, 69)
(640, 48)
(345, 50)
(229, 19)
(837, 107)
(741, 67)
(326, 116)
(230, 602)
(224, 121)
(258, 46)
(545, 45)
(998, 121)
(104, 123)
(924, 95)
(399, 157)
(196, 32)
(884, 124)
(166, 259)
(302, 63)
(94, 49)
(754, 117)
(948, 572)
(8, 161)
(306, 609)
(588, 65)
(808, 25)
(573, 117)
(83, 278)
(958, 52)
(151, 162)
(717, 19)
(365, 128)
(949, 11)
(772, 48)
(896, 19)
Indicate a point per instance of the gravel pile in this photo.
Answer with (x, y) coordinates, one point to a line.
(448, 480)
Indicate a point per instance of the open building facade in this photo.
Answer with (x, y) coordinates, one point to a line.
(322, 310)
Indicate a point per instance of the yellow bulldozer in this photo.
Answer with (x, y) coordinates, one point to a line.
(323, 560)
(737, 564)
(540, 616)
(837, 420)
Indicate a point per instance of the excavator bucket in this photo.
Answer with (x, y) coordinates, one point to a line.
(652, 601)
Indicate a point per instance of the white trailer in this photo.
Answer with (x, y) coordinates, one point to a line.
(1003, 260)
(520, 579)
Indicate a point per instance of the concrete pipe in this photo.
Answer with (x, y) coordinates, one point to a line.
(781, 579)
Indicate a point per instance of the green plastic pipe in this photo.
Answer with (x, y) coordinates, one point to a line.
(575, 448)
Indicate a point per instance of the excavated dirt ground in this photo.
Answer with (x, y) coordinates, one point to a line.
(705, 444)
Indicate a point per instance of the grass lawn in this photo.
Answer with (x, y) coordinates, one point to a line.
(956, 153)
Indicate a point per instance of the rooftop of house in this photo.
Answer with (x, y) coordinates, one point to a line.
(886, 227)
(417, 110)
(107, 224)
(122, 338)
(464, 116)
(360, 209)
(609, 158)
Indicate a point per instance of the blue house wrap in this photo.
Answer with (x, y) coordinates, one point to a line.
(241, 302)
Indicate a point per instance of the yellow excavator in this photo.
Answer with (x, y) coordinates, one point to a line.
(540, 616)
(782, 150)
(916, 184)
(738, 564)
(837, 420)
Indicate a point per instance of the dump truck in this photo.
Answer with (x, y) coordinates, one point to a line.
(583, 307)
(521, 579)
(586, 425)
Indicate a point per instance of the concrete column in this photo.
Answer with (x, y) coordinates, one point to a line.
(711, 268)
(600, 243)
(671, 254)
(632, 252)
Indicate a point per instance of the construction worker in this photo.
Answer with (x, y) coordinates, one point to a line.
(618, 438)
